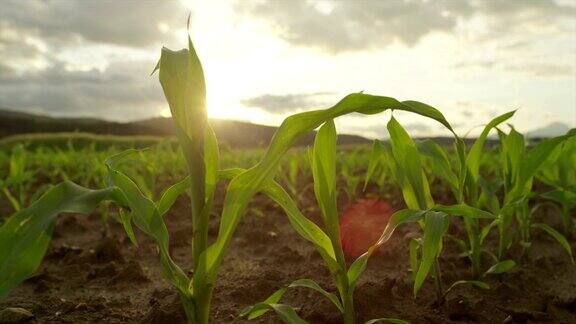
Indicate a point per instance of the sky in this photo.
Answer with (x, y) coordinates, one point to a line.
(265, 60)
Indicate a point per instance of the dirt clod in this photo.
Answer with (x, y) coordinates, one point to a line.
(15, 315)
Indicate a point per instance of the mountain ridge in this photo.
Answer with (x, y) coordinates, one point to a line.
(229, 132)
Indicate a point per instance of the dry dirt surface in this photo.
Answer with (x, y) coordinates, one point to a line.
(88, 277)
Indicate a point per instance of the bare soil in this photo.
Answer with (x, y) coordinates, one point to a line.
(89, 277)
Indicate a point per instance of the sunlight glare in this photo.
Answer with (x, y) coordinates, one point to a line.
(165, 112)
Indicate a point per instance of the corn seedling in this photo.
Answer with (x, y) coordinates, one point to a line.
(16, 184)
(464, 181)
(561, 176)
(407, 170)
(519, 166)
(328, 243)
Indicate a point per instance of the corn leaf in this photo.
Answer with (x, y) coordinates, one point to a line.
(182, 79)
(302, 225)
(309, 283)
(486, 230)
(561, 196)
(375, 156)
(261, 308)
(170, 195)
(557, 236)
(440, 162)
(513, 149)
(501, 267)
(434, 229)
(387, 320)
(324, 173)
(400, 217)
(126, 220)
(410, 172)
(147, 218)
(286, 313)
(464, 211)
(414, 247)
(473, 158)
(534, 159)
(25, 236)
(477, 283)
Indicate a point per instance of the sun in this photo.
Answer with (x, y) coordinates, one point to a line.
(165, 112)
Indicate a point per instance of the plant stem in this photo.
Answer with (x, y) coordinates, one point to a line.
(474, 241)
(476, 262)
(189, 309)
(203, 300)
(348, 301)
(438, 282)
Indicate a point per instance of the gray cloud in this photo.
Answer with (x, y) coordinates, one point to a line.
(123, 91)
(358, 25)
(5, 70)
(287, 103)
(125, 23)
(35, 77)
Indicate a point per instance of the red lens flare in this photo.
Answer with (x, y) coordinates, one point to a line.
(362, 224)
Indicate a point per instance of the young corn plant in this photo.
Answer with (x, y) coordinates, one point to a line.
(327, 241)
(14, 185)
(519, 166)
(26, 235)
(407, 170)
(561, 176)
(465, 181)
(247, 183)
(348, 172)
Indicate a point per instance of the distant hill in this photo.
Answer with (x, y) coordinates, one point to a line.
(551, 130)
(229, 132)
(232, 133)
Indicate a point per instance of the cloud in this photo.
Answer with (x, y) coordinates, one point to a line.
(418, 128)
(551, 70)
(287, 103)
(5, 70)
(527, 68)
(352, 26)
(84, 58)
(124, 23)
(123, 91)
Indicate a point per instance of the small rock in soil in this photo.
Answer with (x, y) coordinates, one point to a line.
(15, 315)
